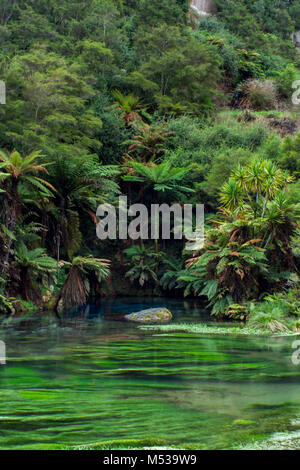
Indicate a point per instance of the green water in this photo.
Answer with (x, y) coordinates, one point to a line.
(87, 380)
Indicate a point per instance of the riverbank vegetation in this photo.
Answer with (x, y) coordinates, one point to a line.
(109, 97)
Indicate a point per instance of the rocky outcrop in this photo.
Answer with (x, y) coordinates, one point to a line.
(296, 38)
(151, 316)
(283, 125)
(202, 7)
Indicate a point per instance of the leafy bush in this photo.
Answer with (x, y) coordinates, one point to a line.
(144, 264)
(250, 246)
(268, 316)
(198, 141)
(291, 154)
(285, 79)
(278, 312)
(6, 306)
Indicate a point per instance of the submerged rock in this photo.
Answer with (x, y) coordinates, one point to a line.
(153, 315)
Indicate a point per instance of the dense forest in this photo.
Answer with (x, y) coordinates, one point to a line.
(142, 98)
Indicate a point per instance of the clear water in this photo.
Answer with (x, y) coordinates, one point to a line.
(88, 380)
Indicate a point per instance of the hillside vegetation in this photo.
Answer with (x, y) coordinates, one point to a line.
(110, 97)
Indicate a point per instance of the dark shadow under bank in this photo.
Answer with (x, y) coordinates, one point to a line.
(190, 309)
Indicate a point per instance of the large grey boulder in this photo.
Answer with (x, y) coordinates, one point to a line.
(202, 7)
(152, 316)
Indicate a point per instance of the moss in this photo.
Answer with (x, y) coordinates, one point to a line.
(23, 307)
(50, 304)
(38, 395)
(214, 330)
(242, 422)
(279, 441)
(123, 444)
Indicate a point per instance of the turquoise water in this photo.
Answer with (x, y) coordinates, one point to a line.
(86, 379)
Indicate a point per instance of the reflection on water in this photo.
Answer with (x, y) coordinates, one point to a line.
(88, 379)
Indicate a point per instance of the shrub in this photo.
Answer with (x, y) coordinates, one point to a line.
(285, 79)
(278, 312)
(268, 316)
(260, 95)
(6, 306)
(291, 151)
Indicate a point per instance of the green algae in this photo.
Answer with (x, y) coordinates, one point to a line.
(89, 387)
(38, 394)
(243, 422)
(124, 444)
(184, 330)
(279, 441)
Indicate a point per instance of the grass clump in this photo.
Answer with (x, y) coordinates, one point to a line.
(260, 95)
(277, 313)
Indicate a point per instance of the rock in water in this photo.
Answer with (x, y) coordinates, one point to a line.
(153, 315)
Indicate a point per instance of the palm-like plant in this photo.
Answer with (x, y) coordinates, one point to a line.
(32, 263)
(129, 105)
(249, 249)
(254, 184)
(161, 178)
(17, 170)
(81, 185)
(148, 144)
(257, 194)
(144, 263)
(74, 291)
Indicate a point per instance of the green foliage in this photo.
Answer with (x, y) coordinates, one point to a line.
(18, 172)
(129, 106)
(161, 178)
(81, 185)
(285, 79)
(275, 313)
(105, 96)
(144, 263)
(148, 144)
(150, 14)
(250, 247)
(47, 106)
(290, 159)
(179, 73)
(113, 132)
(32, 264)
(290, 299)
(252, 19)
(34, 261)
(6, 306)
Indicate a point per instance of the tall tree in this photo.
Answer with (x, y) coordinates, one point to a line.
(17, 170)
(178, 72)
(48, 105)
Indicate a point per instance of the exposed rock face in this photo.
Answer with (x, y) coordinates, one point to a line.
(151, 316)
(296, 38)
(202, 7)
(284, 126)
